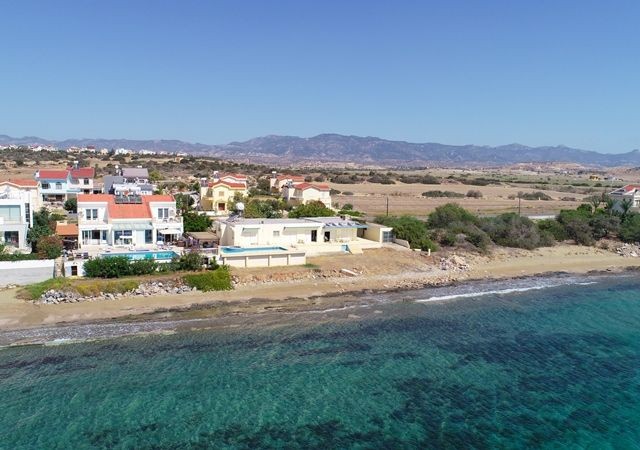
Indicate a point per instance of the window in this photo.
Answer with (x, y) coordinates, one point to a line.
(387, 236)
(27, 213)
(148, 236)
(86, 181)
(220, 193)
(11, 238)
(123, 236)
(45, 186)
(276, 233)
(58, 185)
(91, 214)
(163, 213)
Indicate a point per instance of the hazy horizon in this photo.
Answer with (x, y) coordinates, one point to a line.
(455, 73)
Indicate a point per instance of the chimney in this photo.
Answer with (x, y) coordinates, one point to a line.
(75, 164)
(216, 175)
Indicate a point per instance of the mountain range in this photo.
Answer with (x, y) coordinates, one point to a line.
(373, 151)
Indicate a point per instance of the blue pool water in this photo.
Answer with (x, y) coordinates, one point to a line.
(162, 255)
(235, 250)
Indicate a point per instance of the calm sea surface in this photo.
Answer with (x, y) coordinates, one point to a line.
(557, 367)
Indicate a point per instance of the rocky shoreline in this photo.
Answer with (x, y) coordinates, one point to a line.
(54, 297)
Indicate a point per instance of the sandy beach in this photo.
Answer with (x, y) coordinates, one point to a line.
(300, 288)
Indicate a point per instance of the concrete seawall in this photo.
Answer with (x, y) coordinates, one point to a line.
(25, 272)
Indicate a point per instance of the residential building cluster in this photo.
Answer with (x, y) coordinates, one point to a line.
(124, 212)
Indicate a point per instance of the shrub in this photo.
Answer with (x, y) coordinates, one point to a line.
(424, 179)
(214, 280)
(630, 229)
(411, 229)
(190, 261)
(71, 205)
(538, 195)
(347, 193)
(143, 267)
(553, 228)
(107, 267)
(347, 207)
(438, 194)
(195, 222)
(511, 230)
(49, 247)
(380, 179)
(311, 209)
(450, 213)
(474, 194)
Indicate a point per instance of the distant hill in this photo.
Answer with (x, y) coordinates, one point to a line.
(336, 148)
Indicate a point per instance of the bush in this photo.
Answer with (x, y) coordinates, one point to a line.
(424, 179)
(107, 267)
(311, 209)
(553, 228)
(143, 267)
(474, 194)
(347, 193)
(438, 194)
(445, 215)
(630, 229)
(195, 222)
(214, 280)
(71, 205)
(191, 261)
(380, 179)
(538, 195)
(511, 230)
(411, 229)
(49, 247)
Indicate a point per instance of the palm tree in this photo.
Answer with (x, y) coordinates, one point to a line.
(610, 206)
(625, 206)
(595, 201)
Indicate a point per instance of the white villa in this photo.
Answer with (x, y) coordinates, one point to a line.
(302, 193)
(139, 221)
(129, 181)
(60, 185)
(630, 192)
(19, 199)
(248, 242)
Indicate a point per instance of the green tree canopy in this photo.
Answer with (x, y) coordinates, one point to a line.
(311, 209)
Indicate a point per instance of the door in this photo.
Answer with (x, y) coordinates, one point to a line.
(327, 236)
(314, 235)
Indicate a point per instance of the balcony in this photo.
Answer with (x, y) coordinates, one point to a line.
(168, 221)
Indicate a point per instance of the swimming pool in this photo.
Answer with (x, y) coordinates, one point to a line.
(158, 256)
(239, 250)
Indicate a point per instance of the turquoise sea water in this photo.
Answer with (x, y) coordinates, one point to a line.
(549, 368)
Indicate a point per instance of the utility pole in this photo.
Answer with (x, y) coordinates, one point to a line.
(519, 201)
(387, 206)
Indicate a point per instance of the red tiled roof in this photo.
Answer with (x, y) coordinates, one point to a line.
(237, 176)
(21, 182)
(318, 187)
(126, 210)
(67, 229)
(53, 174)
(631, 187)
(83, 172)
(228, 184)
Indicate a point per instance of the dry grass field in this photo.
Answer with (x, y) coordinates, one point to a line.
(407, 199)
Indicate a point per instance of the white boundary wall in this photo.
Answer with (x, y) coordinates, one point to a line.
(26, 272)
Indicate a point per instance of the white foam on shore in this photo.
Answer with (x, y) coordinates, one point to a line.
(498, 291)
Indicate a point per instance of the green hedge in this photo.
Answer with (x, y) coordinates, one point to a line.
(213, 280)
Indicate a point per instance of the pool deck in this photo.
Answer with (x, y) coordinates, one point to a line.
(98, 250)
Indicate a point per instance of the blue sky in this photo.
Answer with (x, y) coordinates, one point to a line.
(456, 72)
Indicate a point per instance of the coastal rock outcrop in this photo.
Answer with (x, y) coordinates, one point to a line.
(54, 297)
(629, 250)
